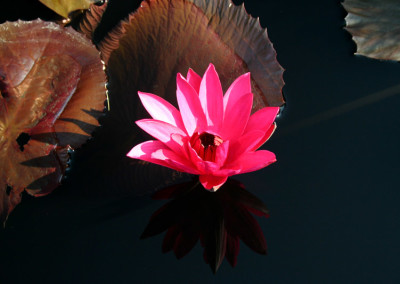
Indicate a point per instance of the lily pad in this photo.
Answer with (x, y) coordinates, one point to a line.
(164, 37)
(147, 50)
(91, 19)
(375, 27)
(52, 91)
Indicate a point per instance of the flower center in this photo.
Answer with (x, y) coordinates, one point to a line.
(205, 145)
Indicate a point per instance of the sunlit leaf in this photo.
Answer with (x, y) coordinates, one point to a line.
(64, 7)
(52, 91)
(375, 27)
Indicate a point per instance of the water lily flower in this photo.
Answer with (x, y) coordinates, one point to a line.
(211, 135)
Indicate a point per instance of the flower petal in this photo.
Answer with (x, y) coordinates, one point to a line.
(227, 172)
(194, 157)
(211, 182)
(236, 116)
(262, 119)
(267, 135)
(210, 167)
(211, 98)
(194, 80)
(205, 167)
(222, 153)
(145, 148)
(253, 161)
(247, 142)
(160, 109)
(189, 105)
(161, 131)
(238, 88)
(178, 145)
(157, 152)
(172, 161)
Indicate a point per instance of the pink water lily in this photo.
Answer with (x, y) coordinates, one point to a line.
(213, 135)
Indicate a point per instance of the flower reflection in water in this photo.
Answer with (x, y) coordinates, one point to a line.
(219, 219)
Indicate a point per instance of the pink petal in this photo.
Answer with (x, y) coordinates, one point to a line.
(157, 153)
(267, 135)
(194, 80)
(238, 88)
(145, 148)
(212, 182)
(211, 98)
(245, 143)
(236, 116)
(160, 109)
(194, 157)
(262, 119)
(253, 161)
(174, 161)
(189, 105)
(227, 172)
(210, 167)
(222, 153)
(178, 145)
(202, 166)
(161, 131)
(179, 139)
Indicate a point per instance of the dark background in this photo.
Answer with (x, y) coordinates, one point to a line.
(333, 195)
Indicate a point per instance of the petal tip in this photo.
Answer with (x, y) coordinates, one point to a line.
(211, 68)
(179, 76)
(133, 153)
(212, 183)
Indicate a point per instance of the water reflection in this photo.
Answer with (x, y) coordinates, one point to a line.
(220, 220)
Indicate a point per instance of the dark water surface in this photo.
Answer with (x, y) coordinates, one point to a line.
(333, 195)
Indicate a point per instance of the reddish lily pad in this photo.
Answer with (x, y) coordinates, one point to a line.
(375, 25)
(52, 90)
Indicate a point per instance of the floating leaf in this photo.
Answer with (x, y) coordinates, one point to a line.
(91, 19)
(65, 7)
(375, 26)
(52, 90)
(147, 50)
(164, 37)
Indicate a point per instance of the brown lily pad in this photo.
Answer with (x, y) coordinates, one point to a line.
(375, 27)
(147, 50)
(164, 37)
(52, 91)
(91, 19)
